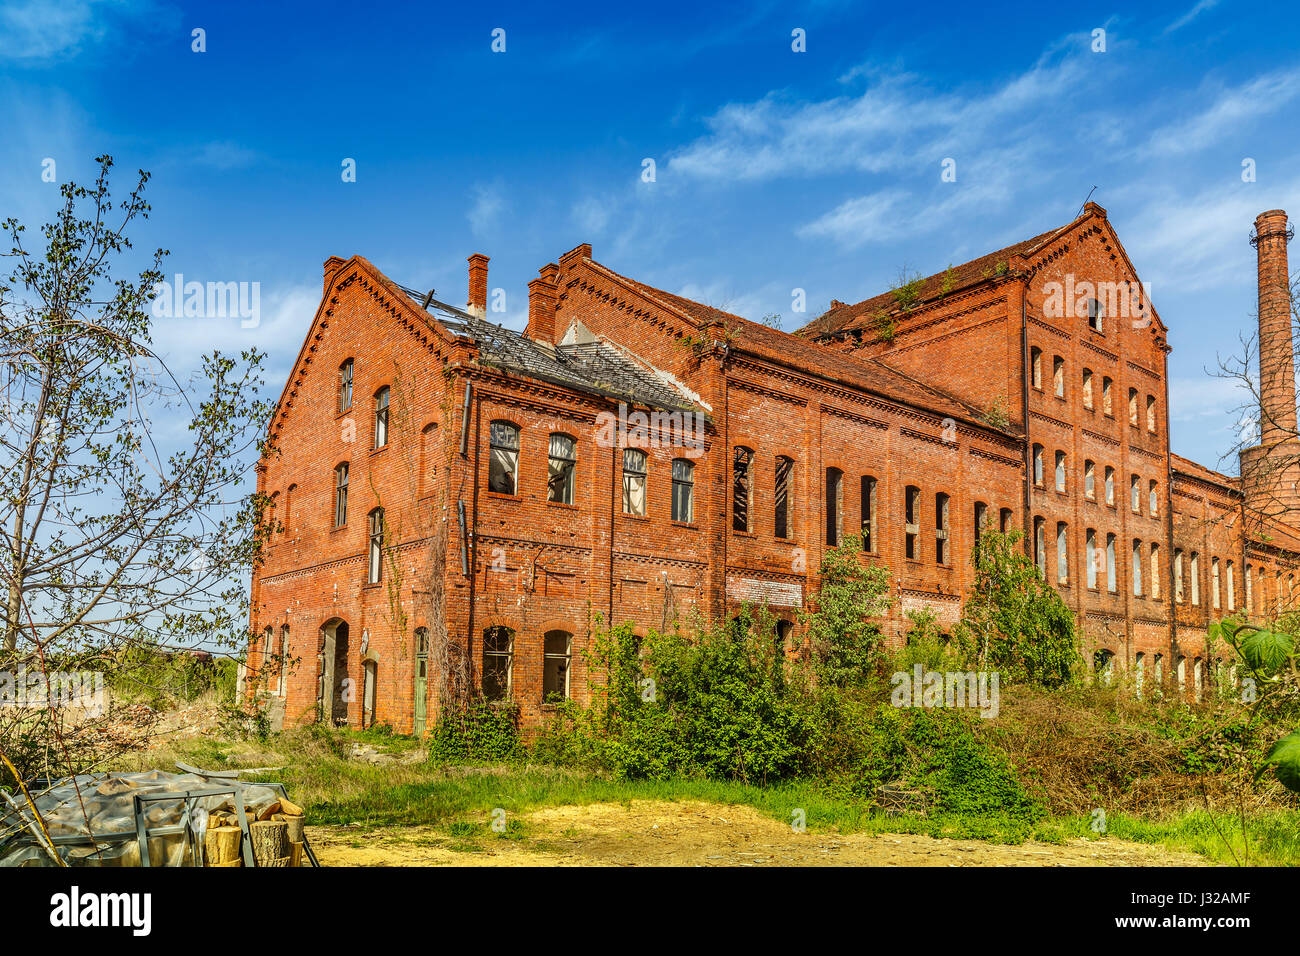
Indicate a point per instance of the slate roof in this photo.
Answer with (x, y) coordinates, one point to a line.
(868, 374)
(593, 367)
(847, 318)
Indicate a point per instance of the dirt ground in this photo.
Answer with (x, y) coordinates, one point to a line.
(649, 833)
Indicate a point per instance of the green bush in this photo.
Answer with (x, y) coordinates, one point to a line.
(482, 731)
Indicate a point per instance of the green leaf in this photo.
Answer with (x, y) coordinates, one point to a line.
(1266, 651)
(1284, 758)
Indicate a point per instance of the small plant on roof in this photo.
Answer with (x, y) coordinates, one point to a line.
(885, 325)
(907, 291)
(997, 414)
(948, 282)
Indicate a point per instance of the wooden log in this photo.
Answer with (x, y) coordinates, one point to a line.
(296, 828)
(295, 854)
(221, 845)
(290, 809)
(270, 843)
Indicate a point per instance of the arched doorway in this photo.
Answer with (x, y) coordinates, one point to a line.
(332, 693)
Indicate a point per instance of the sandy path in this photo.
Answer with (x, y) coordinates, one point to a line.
(650, 833)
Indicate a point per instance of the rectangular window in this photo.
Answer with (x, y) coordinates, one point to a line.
(341, 495)
(1137, 568)
(1179, 593)
(1004, 520)
(941, 528)
(1110, 485)
(557, 655)
(376, 564)
(1155, 571)
(381, 417)
(1195, 572)
(1151, 413)
(1214, 583)
(911, 522)
(834, 505)
(634, 476)
(345, 386)
(562, 464)
(1105, 396)
(781, 501)
(868, 513)
(503, 460)
(1087, 388)
(683, 490)
(741, 463)
(1153, 505)
(1132, 406)
(1036, 368)
(1090, 480)
(1135, 494)
(1038, 466)
(1058, 376)
(1060, 471)
(1232, 588)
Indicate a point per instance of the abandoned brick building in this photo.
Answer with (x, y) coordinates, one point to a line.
(454, 495)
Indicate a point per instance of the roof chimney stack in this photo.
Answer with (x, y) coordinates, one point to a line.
(543, 296)
(478, 268)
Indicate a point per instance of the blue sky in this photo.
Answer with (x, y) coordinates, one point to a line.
(774, 169)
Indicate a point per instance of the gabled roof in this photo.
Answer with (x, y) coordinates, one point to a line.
(867, 374)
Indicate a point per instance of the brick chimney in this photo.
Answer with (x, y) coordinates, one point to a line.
(1270, 472)
(332, 265)
(478, 266)
(1276, 358)
(543, 297)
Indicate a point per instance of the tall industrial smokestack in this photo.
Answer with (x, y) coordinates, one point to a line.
(1276, 357)
(1270, 472)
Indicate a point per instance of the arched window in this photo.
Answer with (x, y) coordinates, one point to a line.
(1139, 668)
(1214, 583)
(1112, 585)
(834, 506)
(1092, 557)
(1038, 465)
(1133, 406)
(742, 493)
(1040, 546)
(1153, 493)
(1151, 413)
(1179, 593)
(782, 493)
(1195, 572)
(1135, 494)
(557, 655)
(428, 463)
(340, 494)
(941, 528)
(381, 417)
(1155, 571)
(1250, 590)
(1058, 376)
(683, 490)
(981, 516)
(1062, 554)
(1103, 666)
(1036, 367)
(1060, 471)
(421, 679)
(1110, 485)
(503, 460)
(868, 494)
(562, 463)
(1180, 668)
(1106, 408)
(345, 386)
(375, 567)
(498, 662)
(1232, 587)
(1090, 480)
(369, 681)
(1198, 678)
(1087, 388)
(1137, 568)
(634, 478)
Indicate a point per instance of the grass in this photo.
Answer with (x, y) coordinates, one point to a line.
(458, 800)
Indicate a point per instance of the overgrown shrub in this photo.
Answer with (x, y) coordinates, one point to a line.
(482, 731)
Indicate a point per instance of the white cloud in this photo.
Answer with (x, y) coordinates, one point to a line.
(591, 214)
(1231, 111)
(862, 219)
(1196, 10)
(486, 210)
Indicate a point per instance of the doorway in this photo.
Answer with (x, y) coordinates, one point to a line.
(332, 693)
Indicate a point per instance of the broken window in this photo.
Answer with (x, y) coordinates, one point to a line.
(1110, 485)
(1040, 546)
(634, 482)
(784, 471)
(376, 564)
(341, 495)
(741, 492)
(498, 660)
(503, 460)
(561, 468)
(1004, 520)
(1111, 583)
(834, 505)
(557, 654)
(1135, 493)
(868, 513)
(1087, 388)
(1036, 368)
(1089, 480)
(381, 417)
(1153, 506)
(1155, 571)
(345, 386)
(1151, 413)
(1179, 594)
(1105, 396)
(1038, 466)
(911, 521)
(941, 528)
(1132, 406)
(981, 516)
(1062, 554)
(683, 490)
(1092, 558)
(1196, 578)
(1060, 471)
(1058, 376)
(1095, 315)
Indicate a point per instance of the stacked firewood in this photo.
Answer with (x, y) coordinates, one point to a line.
(276, 833)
